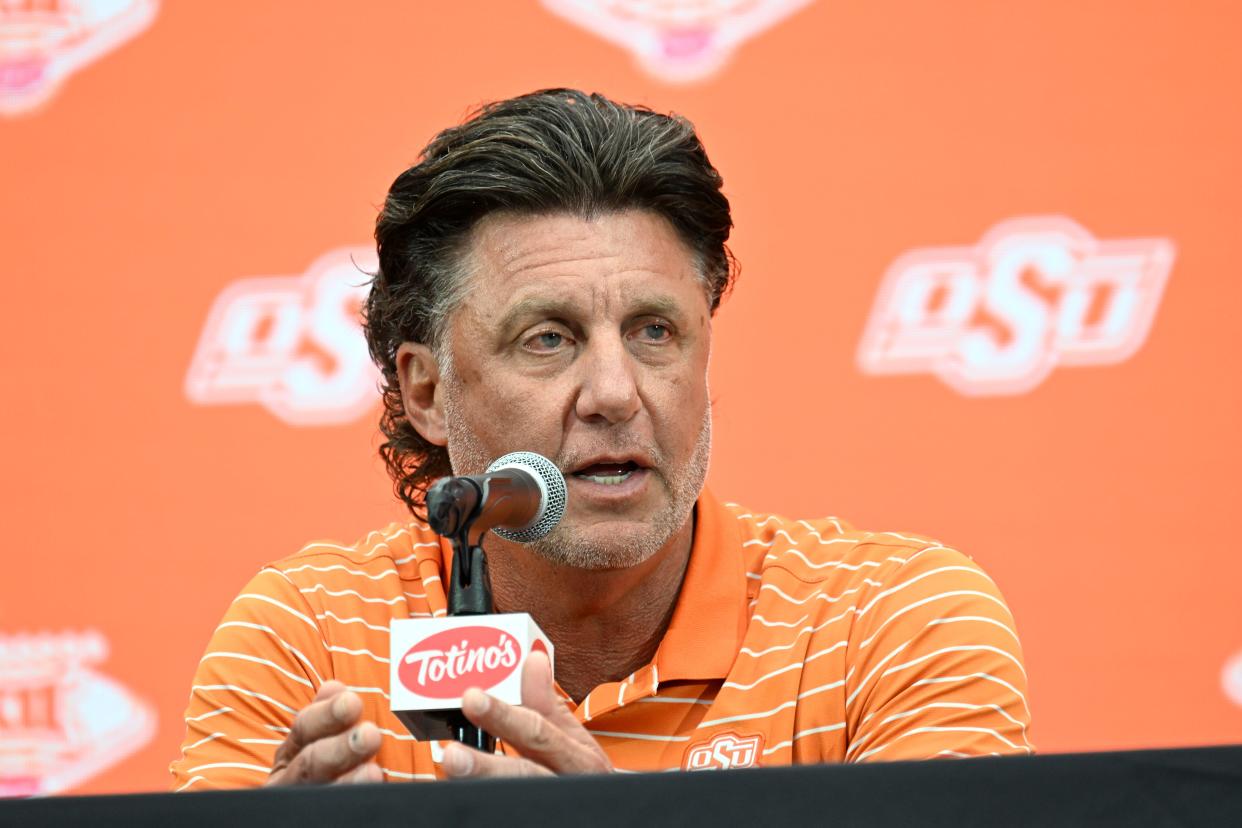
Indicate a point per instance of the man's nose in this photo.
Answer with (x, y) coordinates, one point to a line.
(609, 384)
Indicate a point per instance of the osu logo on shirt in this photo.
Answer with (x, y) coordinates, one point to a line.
(998, 317)
(60, 722)
(677, 41)
(43, 41)
(292, 344)
(724, 751)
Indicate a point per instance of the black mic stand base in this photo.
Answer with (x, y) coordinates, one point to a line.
(468, 734)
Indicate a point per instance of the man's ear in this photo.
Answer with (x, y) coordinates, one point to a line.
(419, 374)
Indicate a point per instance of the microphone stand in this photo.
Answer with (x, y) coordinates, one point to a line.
(452, 507)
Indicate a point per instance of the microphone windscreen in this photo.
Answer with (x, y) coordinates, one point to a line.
(552, 487)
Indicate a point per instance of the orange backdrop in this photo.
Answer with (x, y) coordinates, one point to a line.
(156, 155)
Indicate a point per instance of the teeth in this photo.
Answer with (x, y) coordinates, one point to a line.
(607, 480)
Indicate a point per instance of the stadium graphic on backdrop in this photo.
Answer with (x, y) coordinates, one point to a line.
(679, 41)
(42, 42)
(60, 721)
(998, 317)
(292, 344)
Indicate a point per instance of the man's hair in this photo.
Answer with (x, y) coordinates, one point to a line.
(556, 150)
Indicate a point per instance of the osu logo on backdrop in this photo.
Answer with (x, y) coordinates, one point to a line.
(292, 344)
(444, 665)
(998, 317)
(43, 41)
(724, 751)
(677, 40)
(60, 722)
(1231, 679)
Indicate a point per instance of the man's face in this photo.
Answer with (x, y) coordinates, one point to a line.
(586, 341)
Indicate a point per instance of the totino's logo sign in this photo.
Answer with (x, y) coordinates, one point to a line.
(42, 42)
(292, 344)
(725, 751)
(62, 722)
(445, 665)
(677, 40)
(996, 318)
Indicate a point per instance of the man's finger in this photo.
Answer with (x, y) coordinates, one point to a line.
(369, 773)
(334, 711)
(539, 694)
(461, 762)
(326, 760)
(531, 734)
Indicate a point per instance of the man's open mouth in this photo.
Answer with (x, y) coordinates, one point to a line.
(608, 474)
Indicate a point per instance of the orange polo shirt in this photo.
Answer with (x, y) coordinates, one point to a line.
(792, 641)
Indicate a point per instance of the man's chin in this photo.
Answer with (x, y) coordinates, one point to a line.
(613, 544)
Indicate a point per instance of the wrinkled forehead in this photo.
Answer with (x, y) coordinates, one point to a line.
(607, 261)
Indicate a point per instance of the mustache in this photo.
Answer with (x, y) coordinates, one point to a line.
(569, 459)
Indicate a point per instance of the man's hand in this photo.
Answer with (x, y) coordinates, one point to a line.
(324, 744)
(543, 730)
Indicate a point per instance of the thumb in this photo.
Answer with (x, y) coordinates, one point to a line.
(538, 689)
(539, 694)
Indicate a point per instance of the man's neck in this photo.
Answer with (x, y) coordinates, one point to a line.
(605, 624)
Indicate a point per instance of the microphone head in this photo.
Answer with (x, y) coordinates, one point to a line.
(552, 488)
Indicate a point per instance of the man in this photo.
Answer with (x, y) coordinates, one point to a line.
(548, 275)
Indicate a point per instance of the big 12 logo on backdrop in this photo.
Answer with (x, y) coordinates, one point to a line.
(44, 41)
(677, 40)
(62, 722)
(996, 318)
(292, 344)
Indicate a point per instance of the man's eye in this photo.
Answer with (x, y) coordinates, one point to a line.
(546, 341)
(654, 332)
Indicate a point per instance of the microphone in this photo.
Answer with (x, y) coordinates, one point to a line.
(433, 661)
(520, 497)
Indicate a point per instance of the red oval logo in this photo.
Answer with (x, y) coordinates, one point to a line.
(445, 665)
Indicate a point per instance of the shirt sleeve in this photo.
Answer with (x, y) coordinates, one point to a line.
(937, 666)
(264, 663)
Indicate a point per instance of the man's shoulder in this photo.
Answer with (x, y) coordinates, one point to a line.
(815, 550)
(403, 549)
(827, 564)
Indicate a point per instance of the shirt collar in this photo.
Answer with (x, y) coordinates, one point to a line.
(709, 621)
